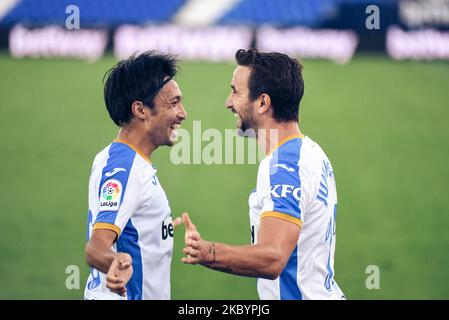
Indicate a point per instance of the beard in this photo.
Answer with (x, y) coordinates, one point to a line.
(243, 124)
(246, 125)
(169, 143)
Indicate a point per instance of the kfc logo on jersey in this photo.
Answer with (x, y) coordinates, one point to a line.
(283, 190)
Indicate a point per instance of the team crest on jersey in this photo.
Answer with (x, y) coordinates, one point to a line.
(110, 195)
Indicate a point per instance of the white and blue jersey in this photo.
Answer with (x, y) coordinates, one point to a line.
(126, 197)
(296, 183)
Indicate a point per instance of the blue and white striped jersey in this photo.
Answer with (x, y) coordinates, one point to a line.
(296, 183)
(126, 197)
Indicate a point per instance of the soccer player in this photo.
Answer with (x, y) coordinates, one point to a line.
(293, 207)
(130, 225)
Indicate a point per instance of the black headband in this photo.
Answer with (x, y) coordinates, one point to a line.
(159, 88)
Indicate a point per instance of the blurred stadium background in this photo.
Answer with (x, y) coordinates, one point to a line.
(375, 99)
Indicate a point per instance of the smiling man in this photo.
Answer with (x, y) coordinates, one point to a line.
(130, 227)
(293, 207)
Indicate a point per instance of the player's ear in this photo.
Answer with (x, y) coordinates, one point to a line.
(264, 103)
(138, 110)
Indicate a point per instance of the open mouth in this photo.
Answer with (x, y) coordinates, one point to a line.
(174, 127)
(236, 115)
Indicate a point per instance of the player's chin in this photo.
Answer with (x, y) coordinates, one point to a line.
(246, 130)
(172, 137)
(170, 141)
(242, 125)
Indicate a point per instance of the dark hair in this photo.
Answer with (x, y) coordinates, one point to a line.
(277, 75)
(138, 78)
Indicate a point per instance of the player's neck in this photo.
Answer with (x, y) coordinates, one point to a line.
(137, 140)
(278, 133)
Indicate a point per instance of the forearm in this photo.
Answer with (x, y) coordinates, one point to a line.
(258, 260)
(99, 257)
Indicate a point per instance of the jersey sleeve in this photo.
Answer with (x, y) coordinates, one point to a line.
(119, 196)
(281, 195)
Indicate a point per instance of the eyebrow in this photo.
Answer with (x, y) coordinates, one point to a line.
(176, 98)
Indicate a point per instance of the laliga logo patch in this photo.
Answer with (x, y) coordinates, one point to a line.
(111, 193)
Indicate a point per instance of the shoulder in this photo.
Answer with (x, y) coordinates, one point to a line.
(120, 154)
(119, 163)
(286, 157)
(122, 157)
(313, 156)
(291, 150)
(101, 157)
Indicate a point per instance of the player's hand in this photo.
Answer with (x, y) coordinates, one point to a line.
(195, 248)
(119, 273)
(177, 222)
